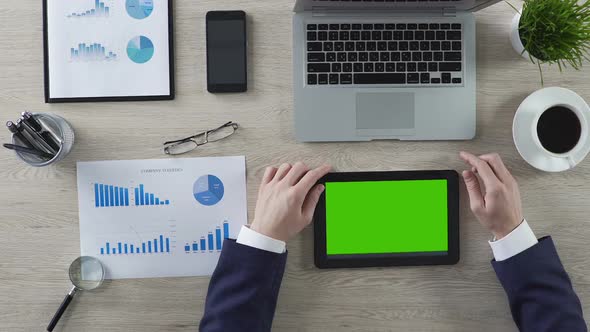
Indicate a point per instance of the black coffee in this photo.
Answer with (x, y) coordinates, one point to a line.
(559, 129)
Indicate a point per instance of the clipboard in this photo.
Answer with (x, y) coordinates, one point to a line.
(108, 50)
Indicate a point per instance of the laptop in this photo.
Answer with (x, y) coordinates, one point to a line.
(368, 70)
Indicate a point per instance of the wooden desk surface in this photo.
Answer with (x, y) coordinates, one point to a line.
(39, 213)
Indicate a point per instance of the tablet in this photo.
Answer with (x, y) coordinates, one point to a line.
(387, 218)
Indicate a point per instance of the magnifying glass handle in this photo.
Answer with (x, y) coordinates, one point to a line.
(62, 309)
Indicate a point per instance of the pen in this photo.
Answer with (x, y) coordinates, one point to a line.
(44, 131)
(12, 127)
(27, 150)
(47, 133)
(50, 140)
(34, 138)
(31, 121)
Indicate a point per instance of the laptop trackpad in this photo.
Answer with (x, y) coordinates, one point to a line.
(385, 113)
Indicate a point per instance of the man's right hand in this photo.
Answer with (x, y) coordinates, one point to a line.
(287, 200)
(497, 206)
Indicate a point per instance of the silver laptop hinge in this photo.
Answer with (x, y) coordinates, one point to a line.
(449, 12)
(392, 12)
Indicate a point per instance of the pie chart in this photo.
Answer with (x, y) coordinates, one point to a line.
(140, 49)
(139, 9)
(208, 190)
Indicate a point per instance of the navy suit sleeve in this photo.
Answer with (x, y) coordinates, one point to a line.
(243, 290)
(539, 290)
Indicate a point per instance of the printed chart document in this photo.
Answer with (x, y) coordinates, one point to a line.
(108, 49)
(160, 218)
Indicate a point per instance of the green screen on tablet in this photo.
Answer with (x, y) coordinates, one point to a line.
(377, 217)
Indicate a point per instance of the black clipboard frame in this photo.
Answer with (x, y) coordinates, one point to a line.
(48, 98)
(323, 260)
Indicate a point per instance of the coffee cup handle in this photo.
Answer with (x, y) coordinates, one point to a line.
(572, 162)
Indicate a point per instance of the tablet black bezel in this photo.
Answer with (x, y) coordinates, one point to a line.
(323, 260)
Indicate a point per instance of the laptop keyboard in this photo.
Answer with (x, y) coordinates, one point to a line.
(400, 54)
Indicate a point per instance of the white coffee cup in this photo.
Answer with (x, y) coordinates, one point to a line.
(525, 129)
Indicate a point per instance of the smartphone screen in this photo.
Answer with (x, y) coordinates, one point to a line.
(226, 51)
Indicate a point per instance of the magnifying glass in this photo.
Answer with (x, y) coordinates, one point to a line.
(86, 273)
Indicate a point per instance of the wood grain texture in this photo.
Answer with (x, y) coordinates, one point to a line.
(39, 215)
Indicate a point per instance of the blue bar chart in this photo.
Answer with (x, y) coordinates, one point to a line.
(99, 10)
(142, 197)
(106, 195)
(109, 196)
(91, 52)
(158, 245)
(213, 241)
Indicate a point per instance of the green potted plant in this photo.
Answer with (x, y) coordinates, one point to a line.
(552, 32)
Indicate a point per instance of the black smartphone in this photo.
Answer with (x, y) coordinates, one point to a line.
(226, 51)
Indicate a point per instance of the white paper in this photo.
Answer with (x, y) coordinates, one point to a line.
(84, 76)
(185, 220)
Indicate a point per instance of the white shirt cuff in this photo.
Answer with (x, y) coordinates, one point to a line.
(256, 240)
(519, 240)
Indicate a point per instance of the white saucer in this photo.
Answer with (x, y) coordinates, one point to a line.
(524, 129)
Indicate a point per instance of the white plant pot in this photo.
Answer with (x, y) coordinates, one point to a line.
(515, 38)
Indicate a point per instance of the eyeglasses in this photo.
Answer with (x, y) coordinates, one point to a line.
(190, 143)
